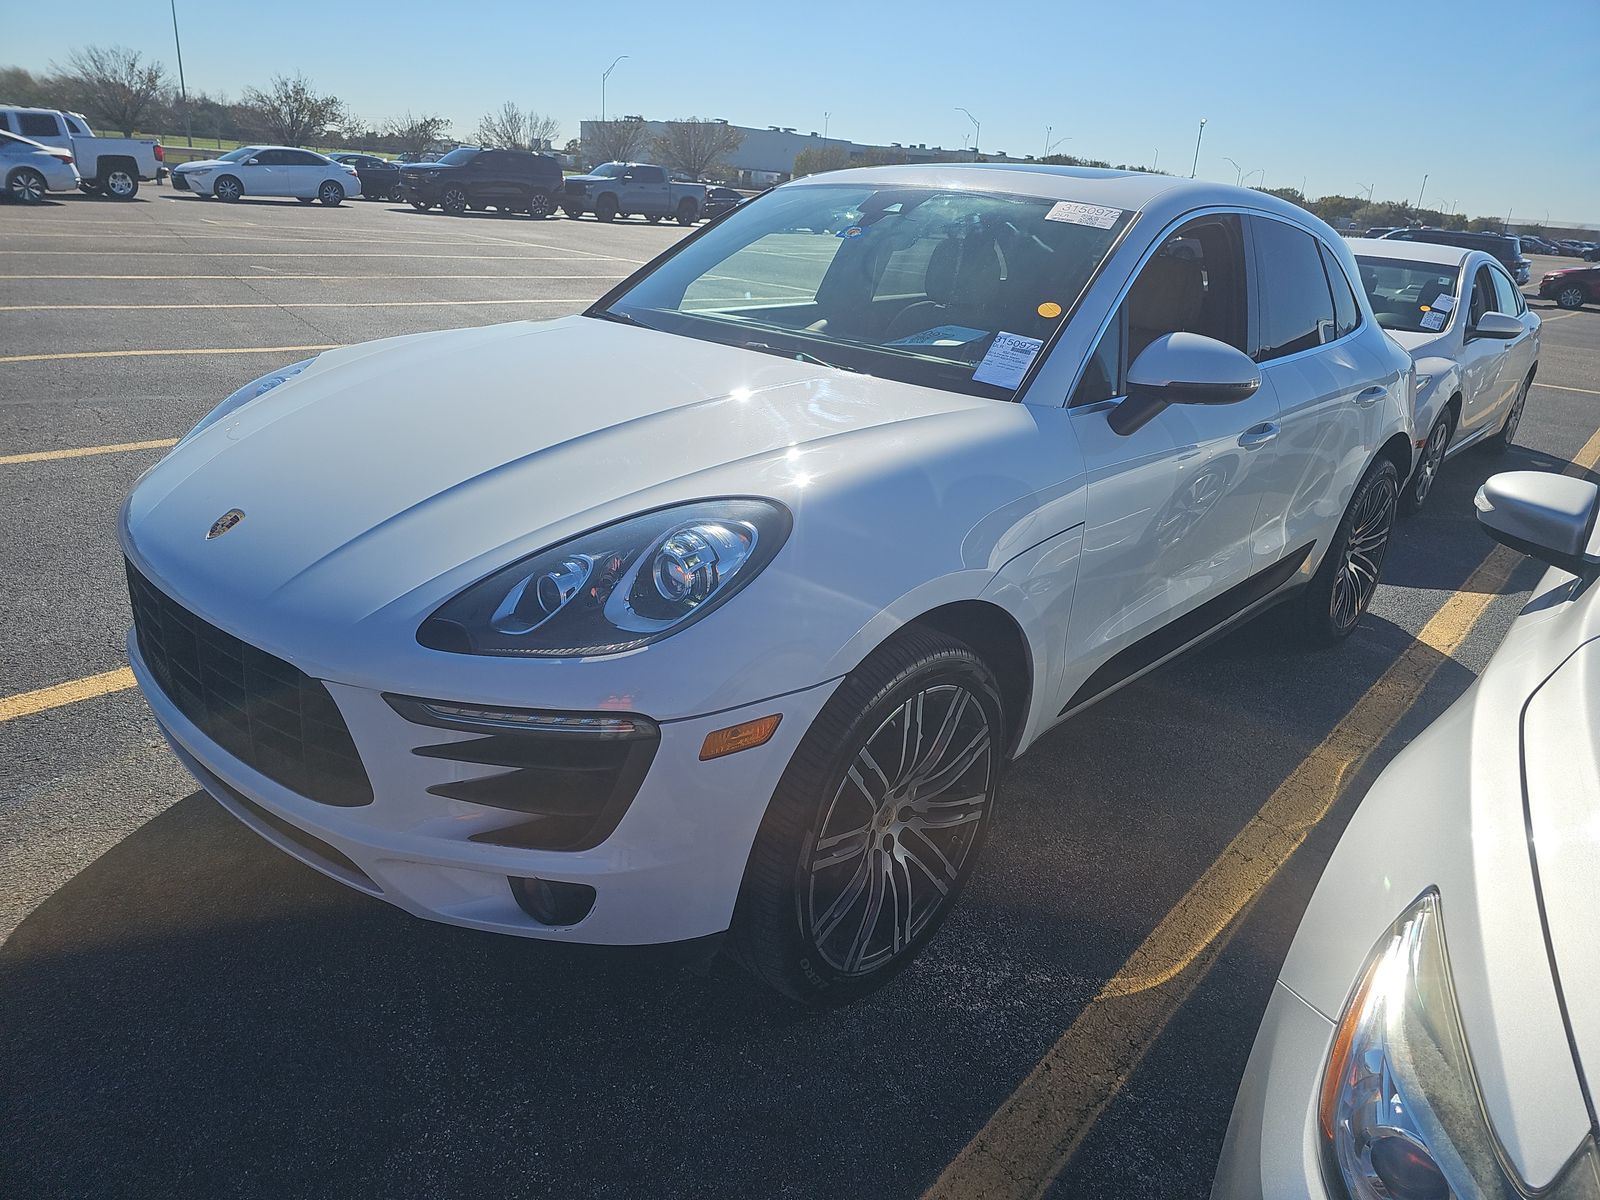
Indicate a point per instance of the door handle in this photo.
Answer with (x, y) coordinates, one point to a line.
(1371, 395)
(1258, 435)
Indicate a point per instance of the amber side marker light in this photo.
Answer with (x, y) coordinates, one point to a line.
(739, 737)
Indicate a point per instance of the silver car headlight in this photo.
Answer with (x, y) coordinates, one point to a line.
(251, 390)
(614, 588)
(1400, 1112)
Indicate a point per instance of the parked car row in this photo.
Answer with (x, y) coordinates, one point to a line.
(110, 167)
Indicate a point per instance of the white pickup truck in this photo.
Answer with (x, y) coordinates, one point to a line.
(109, 166)
(615, 189)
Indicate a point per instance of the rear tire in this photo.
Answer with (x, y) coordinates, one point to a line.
(1507, 437)
(1429, 461)
(454, 201)
(1333, 602)
(120, 183)
(331, 193)
(227, 188)
(876, 823)
(540, 205)
(688, 211)
(26, 186)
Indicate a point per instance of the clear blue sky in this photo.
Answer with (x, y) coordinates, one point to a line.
(1498, 103)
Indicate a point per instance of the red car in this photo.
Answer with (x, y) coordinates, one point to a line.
(1573, 287)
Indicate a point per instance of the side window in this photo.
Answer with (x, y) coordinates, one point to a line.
(1483, 297)
(37, 125)
(649, 174)
(1294, 301)
(1195, 283)
(304, 158)
(1505, 292)
(6, 121)
(1346, 312)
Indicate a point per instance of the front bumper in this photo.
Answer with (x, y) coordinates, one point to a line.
(1273, 1147)
(424, 191)
(669, 872)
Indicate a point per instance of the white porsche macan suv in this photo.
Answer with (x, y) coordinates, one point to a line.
(720, 608)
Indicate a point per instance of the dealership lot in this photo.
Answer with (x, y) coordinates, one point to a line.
(185, 1011)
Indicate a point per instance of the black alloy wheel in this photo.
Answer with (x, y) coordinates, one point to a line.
(1339, 593)
(1428, 464)
(454, 201)
(876, 824)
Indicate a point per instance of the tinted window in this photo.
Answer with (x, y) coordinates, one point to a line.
(649, 175)
(37, 125)
(1346, 312)
(459, 156)
(1505, 293)
(1193, 284)
(303, 158)
(76, 126)
(1294, 301)
(1483, 297)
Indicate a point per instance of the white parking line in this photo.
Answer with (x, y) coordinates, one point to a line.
(276, 275)
(131, 253)
(21, 358)
(289, 304)
(1558, 387)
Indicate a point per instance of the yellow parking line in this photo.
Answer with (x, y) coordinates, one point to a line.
(1035, 1132)
(290, 304)
(19, 358)
(24, 703)
(1558, 387)
(7, 460)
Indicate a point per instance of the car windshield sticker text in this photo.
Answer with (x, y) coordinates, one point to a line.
(1007, 360)
(943, 335)
(1096, 216)
(1434, 319)
(1443, 302)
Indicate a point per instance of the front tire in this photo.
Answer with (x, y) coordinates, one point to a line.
(1340, 591)
(688, 211)
(1572, 296)
(876, 823)
(421, 205)
(1428, 464)
(605, 209)
(454, 201)
(227, 188)
(331, 194)
(26, 186)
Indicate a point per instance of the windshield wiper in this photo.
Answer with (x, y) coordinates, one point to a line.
(799, 356)
(621, 318)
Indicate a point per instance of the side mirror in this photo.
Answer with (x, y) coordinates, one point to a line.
(1183, 368)
(1497, 325)
(1550, 517)
(252, 162)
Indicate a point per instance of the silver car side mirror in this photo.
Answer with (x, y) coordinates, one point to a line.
(1550, 517)
(1183, 368)
(1497, 325)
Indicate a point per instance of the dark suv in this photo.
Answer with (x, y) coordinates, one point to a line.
(1503, 246)
(467, 177)
(380, 178)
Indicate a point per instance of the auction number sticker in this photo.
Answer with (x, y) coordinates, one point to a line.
(1096, 216)
(1007, 360)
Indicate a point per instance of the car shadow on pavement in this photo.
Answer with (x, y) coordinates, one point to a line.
(197, 1014)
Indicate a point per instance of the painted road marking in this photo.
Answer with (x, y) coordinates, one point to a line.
(7, 460)
(1023, 1147)
(288, 304)
(18, 358)
(25, 703)
(1558, 387)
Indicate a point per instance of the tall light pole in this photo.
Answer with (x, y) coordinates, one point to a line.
(183, 89)
(1238, 171)
(1156, 166)
(977, 131)
(1047, 131)
(603, 78)
(826, 117)
(1369, 187)
(1261, 171)
(1195, 166)
(1050, 146)
(1421, 191)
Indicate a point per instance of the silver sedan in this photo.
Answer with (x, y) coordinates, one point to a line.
(31, 169)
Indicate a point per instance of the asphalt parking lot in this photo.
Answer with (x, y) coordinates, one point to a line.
(186, 1012)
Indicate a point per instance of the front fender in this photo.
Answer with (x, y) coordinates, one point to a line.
(1430, 401)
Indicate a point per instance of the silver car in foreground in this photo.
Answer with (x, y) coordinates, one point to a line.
(1430, 1033)
(29, 169)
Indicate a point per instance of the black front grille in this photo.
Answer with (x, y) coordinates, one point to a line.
(267, 713)
(574, 189)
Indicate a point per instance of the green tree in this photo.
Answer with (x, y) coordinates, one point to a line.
(814, 160)
(292, 111)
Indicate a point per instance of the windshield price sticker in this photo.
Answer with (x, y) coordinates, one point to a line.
(1008, 359)
(1096, 216)
(1443, 302)
(1433, 320)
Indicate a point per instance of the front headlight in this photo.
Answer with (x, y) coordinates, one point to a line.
(247, 393)
(1400, 1111)
(614, 588)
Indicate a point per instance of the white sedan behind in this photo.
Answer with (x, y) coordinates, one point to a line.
(269, 171)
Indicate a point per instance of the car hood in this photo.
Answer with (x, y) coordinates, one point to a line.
(434, 458)
(590, 178)
(1418, 345)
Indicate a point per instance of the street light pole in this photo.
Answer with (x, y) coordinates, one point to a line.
(1238, 171)
(1421, 191)
(1156, 166)
(1196, 164)
(826, 117)
(183, 88)
(603, 78)
(977, 132)
(1047, 132)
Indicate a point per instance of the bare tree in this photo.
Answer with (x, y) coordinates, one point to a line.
(416, 135)
(292, 111)
(513, 129)
(694, 146)
(115, 85)
(612, 141)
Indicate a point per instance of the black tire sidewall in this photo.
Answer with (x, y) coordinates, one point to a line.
(1409, 503)
(768, 929)
(455, 208)
(1316, 619)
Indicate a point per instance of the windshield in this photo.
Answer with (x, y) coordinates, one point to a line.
(461, 154)
(239, 155)
(609, 170)
(1411, 297)
(944, 288)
